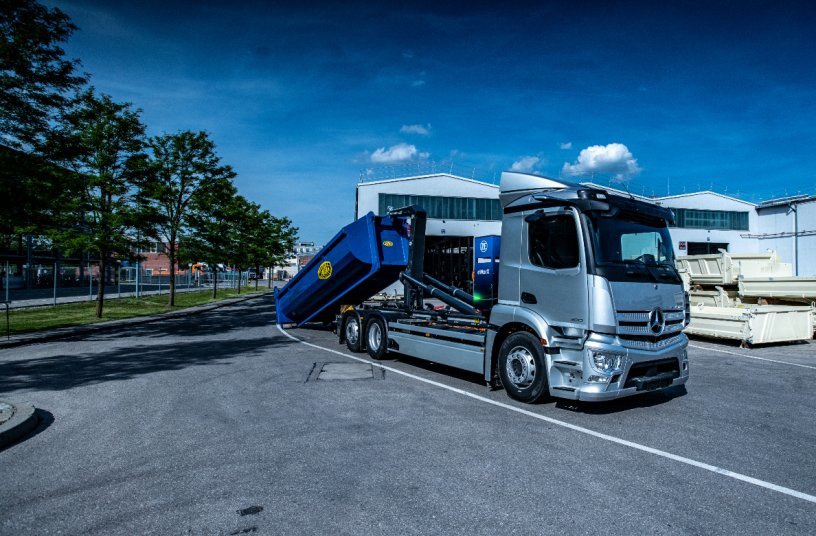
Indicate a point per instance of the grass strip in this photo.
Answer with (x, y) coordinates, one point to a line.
(81, 313)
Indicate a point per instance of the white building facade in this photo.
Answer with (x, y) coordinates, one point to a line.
(788, 226)
(706, 222)
(460, 209)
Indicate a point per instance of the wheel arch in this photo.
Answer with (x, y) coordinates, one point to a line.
(499, 337)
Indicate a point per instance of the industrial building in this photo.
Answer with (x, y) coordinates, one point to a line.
(460, 209)
(788, 226)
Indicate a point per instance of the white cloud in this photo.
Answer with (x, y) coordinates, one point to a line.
(566, 145)
(418, 83)
(525, 164)
(422, 130)
(400, 152)
(614, 159)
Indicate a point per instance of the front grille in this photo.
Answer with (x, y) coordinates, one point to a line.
(637, 323)
(650, 343)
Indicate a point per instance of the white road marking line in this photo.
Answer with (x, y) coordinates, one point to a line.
(587, 431)
(752, 356)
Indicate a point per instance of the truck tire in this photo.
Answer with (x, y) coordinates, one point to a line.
(376, 338)
(352, 332)
(522, 368)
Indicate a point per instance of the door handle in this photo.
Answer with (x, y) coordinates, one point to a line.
(526, 297)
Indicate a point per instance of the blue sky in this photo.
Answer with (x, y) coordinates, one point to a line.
(302, 98)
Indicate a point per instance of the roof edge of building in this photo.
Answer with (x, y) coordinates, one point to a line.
(428, 176)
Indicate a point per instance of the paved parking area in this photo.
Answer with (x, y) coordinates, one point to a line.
(221, 424)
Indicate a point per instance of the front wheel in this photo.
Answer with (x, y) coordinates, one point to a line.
(376, 338)
(522, 368)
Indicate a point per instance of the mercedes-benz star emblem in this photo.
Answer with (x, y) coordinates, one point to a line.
(657, 322)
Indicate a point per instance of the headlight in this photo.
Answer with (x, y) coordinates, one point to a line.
(607, 361)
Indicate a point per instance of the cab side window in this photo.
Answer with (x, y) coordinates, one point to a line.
(553, 242)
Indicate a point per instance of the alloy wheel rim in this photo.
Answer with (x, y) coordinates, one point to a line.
(374, 336)
(520, 368)
(352, 331)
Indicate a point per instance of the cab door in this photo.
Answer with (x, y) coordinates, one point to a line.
(553, 278)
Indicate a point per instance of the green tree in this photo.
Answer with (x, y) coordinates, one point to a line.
(275, 239)
(36, 81)
(210, 220)
(36, 85)
(103, 142)
(247, 224)
(183, 164)
(260, 239)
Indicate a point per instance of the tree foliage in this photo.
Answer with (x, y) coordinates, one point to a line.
(182, 165)
(36, 85)
(36, 81)
(103, 142)
(33, 192)
(73, 166)
(273, 243)
(211, 220)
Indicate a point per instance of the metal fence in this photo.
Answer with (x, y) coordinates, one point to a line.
(63, 283)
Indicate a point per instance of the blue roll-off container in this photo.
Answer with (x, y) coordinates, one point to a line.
(363, 258)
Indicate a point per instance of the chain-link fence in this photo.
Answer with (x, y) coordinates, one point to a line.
(51, 284)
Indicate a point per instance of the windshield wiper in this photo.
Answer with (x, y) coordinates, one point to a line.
(643, 268)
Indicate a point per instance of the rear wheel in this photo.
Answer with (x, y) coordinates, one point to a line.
(522, 367)
(352, 332)
(376, 338)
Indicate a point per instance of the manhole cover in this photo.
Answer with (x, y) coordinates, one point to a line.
(345, 371)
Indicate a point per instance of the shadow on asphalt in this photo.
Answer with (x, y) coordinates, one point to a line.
(60, 372)
(642, 400)
(736, 344)
(254, 313)
(437, 368)
(44, 420)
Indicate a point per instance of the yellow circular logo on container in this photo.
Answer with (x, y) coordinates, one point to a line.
(325, 270)
(388, 243)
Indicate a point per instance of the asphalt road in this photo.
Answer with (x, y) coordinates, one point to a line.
(219, 424)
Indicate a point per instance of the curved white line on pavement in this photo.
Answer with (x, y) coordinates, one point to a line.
(587, 431)
(752, 356)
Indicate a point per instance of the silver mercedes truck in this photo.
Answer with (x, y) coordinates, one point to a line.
(588, 304)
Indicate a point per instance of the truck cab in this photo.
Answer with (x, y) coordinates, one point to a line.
(590, 306)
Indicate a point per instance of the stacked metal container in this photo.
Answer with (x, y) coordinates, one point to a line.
(753, 298)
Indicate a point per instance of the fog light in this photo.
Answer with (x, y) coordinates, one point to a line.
(606, 361)
(598, 379)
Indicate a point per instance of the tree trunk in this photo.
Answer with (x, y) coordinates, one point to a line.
(215, 280)
(171, 302)
(239, 280)
(100, 297)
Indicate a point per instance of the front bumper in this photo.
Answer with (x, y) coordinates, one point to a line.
(642, 371)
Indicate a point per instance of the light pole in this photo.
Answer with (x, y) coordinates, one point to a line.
(792, 208)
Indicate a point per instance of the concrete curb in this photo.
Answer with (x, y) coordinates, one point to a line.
(36, 337)
(23, 420)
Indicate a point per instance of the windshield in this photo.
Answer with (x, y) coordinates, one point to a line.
(628, 246)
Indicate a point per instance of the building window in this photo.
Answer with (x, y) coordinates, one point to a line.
(689, 218)
(445, 208)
